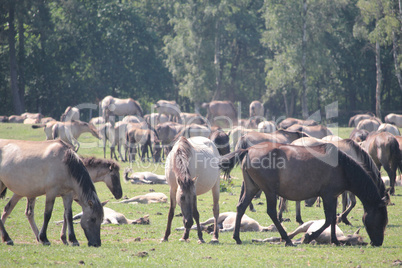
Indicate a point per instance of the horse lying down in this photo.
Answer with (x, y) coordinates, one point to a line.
(143, 177)
(113, 217)
(226, 223)
(324, 238)
(147, 199)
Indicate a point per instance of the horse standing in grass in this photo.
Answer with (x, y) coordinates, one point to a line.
(120, 107)
(295, 173)
(70, 131)
(51, 168)
(98, 169)
(191, 170)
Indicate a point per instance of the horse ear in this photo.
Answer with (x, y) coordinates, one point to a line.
(357, 232)
(195, 179)
(104, 203)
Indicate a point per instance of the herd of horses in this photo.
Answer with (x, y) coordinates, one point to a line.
(295, 160)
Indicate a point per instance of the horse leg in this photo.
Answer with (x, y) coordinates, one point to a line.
(249, 190)
(47, 215)
(196, 216)
(330, 219)
(282, 208)
(30, 214)
(346, 210)
(170, 215)
(215, 197)
(4, 235)
(298, 213)
(271, 211)
(10, 206)
(68, 220)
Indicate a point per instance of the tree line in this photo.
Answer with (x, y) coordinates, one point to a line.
(295, 56)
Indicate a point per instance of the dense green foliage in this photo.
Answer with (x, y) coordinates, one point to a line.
(71, 52)
(124, 245)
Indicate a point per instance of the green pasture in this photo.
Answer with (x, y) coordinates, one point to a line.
(124, 245)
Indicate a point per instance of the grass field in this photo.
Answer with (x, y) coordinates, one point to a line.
(124, 245)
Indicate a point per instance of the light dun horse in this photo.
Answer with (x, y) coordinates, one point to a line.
(120, 107)
(191, 170)
(296, 174)
(51, 168)
(98, 169)
(70, 131)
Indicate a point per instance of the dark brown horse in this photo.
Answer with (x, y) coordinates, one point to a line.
(296, 173)
(383, 147)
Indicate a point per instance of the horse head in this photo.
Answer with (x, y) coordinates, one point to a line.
(375, 220)
(92, 218)
(186, 197)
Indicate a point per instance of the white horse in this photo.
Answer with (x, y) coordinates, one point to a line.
(34, 168)
(120, 107)
(191, 169)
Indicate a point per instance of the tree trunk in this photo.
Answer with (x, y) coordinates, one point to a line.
(395, 49)
(286, 103)
(304, 74)
(21, 59)
(18, 109)
(379, 80)
(217, 64)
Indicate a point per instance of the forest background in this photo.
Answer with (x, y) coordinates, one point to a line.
(297, 56)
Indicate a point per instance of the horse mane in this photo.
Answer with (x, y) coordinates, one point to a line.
(80, 174)
(63, 116)
(100, 163)
(359, 181)
(181, 161)
(367, 163)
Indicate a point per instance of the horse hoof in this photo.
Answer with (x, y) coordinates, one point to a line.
(10, 243)
(76, 244)
(306, 239)
(214, 242)
(290, 244)
(184, 240)
(46, 243)
(164, 240)
(201, 241)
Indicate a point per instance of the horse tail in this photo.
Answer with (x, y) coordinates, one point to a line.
(137, 104)
(230, 160)
(181, 160)
(3, 193)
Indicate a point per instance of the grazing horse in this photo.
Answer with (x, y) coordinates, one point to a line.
(147, 138)
(167, 132)
(71, 113)
(120, 107)
(98, 169)
(221, 140)
(71, 130)
(168, 108)
(324, 238)
(353, 150)
(51, 168)
(191, 170)
(295, 173)
(383, 147)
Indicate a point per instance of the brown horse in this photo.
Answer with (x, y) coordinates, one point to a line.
(297, 174)
(353, 150)
(359, 135)
(383, 147)
(147, 138)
